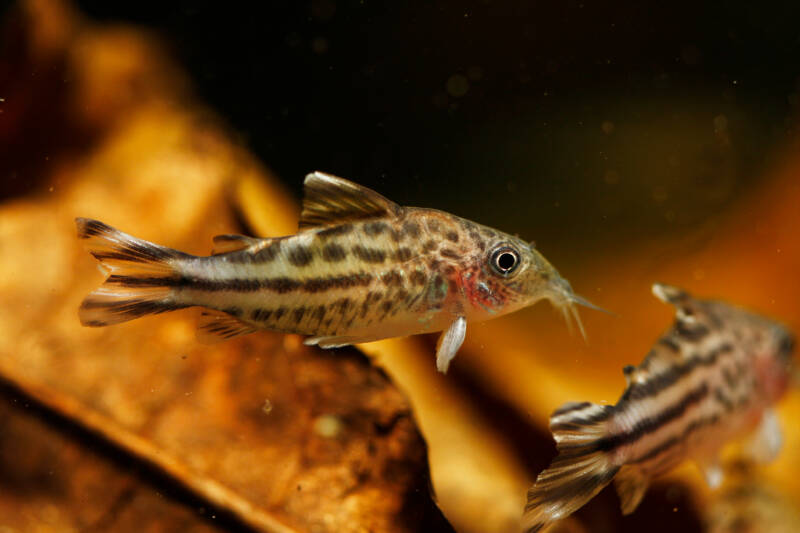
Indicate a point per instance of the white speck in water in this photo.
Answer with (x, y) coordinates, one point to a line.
(267, 407)
(320, 45)
(328, 426)
(457, 85)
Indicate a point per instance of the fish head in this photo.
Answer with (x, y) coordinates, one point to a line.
(768, 344)
(514, 275)
(773, 355)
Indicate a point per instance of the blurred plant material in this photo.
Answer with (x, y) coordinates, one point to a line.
(337, 449)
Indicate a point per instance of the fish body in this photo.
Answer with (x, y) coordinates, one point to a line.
(362, 268)
(712, 378)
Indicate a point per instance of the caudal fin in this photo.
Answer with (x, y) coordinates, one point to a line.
(141, 276)
(580, 470)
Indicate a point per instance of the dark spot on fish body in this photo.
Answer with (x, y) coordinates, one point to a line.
(373, 229)
(341, 305)
(403, 254)
(723, 400)
(452, 236)
(300, 256)
(670, 344)
(411, 300)
(320, 312)
(386, 307)
(392, 278)
(411, 229)
(479, 243)
(730, 379)
(280, 285)
(267, 253)
(453, 285)
(433, 264)
(335, 231)
(434, 226)
(429, 246)
(314, 285)
(402, 295)
(449, 253)
(279, 312)
(260, 314)
(691, 332)
(298, 314)
(233, 311)
(369, 255)
(371, 298)
(418, 278)
(449, 270)
(333, 253)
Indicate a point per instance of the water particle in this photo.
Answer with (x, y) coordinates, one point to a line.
(457, 85)
(328, 426)
(320, 45)
(267, 407)
(475, 73)
(607, 127)
(611, 177)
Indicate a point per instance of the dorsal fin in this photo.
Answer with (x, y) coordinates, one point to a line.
(232, 243)
(329, 201)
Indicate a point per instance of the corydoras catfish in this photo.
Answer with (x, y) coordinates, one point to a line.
(712, 378)
(361, 268)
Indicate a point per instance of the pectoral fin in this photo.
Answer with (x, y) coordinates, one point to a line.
(766, 441)
(449, 343)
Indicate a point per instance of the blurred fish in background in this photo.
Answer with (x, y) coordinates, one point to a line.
(633, 143)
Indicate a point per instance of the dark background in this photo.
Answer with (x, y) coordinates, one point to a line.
(596, 124)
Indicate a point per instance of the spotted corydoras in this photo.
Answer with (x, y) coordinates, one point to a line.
(362, 268)
(711, 378)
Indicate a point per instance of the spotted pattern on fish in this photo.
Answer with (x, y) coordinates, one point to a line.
(361, 268)
(711, 378)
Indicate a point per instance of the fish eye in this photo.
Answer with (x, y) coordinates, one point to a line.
(505, 260)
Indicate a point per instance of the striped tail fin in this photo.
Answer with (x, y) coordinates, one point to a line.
(580, 470)
(141, 276)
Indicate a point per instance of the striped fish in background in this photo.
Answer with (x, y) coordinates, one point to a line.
(711, 378)
(362, 268)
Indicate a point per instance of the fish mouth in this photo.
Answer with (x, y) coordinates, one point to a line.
(566, 301)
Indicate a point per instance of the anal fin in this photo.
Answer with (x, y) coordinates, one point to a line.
(631, 486)
(216, 326)
(338, 341)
